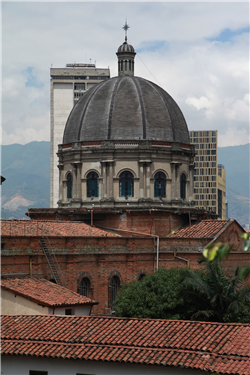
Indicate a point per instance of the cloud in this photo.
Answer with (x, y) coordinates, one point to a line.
(198, 52)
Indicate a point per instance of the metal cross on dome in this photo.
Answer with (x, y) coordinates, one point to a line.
(125, 28)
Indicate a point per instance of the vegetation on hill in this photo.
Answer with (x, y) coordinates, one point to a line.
(236, 162)
(27, 172)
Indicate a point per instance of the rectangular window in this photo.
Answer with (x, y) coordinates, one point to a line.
(32, 372)
(68, 312)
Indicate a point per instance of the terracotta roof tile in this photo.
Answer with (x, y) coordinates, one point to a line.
(202, 229)
(221, 347)
(44, 292)
(51, 229)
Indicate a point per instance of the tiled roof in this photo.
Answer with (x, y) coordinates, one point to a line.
(50, 228)
(202, 229)
(220, 347)
(45, 292)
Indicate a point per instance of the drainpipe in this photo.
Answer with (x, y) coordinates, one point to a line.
(145, 234)
(92, 217)
(185, 260)
(157, 252)
(30, 267)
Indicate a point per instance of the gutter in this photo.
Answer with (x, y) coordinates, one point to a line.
(185, 260)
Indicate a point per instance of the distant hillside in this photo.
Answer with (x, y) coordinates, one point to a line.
(236, 162)
(27, 172)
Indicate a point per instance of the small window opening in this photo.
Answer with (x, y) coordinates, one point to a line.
(69, 185)
(92, 185)
(126, 184)
(160, 185)
(183, 186)
(84, 287)
(115, 285)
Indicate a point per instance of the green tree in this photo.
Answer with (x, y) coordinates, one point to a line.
(221, 251)
(157, 295)
(222, 297)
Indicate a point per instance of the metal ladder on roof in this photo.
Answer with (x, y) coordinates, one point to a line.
(52, 261)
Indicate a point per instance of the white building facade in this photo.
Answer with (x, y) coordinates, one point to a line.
(67, 86)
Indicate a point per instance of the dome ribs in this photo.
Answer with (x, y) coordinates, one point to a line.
(96, 88)
(178, 120)
(142, 107)
(167, 108)
(126, 108)
(112, 107)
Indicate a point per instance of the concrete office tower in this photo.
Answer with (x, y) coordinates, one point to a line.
(209, 177)
(67, 86)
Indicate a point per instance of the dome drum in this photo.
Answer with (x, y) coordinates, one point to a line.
(126, 173)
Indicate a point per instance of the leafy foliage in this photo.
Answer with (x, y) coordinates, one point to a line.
(222, 297)
(158, 295)
(222, 251)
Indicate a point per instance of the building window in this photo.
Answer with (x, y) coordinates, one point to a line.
(31, 372)
(160, 185)
(79, 86)
(69, 185)
(126, 185)
(84, 287)
(68, 312)
(183, 186)
(114, 286)
(92, 185)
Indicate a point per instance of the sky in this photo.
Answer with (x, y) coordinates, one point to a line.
(197, 51)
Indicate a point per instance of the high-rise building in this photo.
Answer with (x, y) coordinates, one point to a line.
(66, 88)
(209, 177)
(222, 202)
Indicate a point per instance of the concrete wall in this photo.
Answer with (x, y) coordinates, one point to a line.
(76, 310)
(13, 304)
(21, 365)
(61, 103)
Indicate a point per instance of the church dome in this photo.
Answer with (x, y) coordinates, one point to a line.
(126, 108)
(125, 47)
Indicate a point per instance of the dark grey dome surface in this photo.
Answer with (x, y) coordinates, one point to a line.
(126, 108)
(125, 47)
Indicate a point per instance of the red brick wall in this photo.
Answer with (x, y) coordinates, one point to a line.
(159, 223)
(102, 257)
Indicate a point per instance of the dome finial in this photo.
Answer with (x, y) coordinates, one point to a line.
(125, 28)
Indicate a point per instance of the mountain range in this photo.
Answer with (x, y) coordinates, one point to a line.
(27, 172)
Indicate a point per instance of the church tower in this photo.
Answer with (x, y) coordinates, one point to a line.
(126, 55)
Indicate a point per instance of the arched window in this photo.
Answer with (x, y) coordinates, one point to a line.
(84, 287)
(160, 185)
(69, 185)
(114, 286)
(126, 184)
(183, 186)
(92, 185)
(129, 64)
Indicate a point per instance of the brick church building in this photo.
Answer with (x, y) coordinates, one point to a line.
(126, 171)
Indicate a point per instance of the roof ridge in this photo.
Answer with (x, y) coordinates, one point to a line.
(136, 347)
